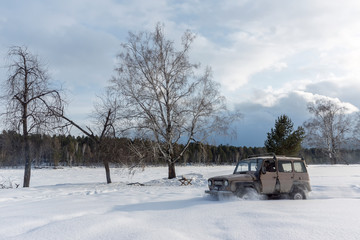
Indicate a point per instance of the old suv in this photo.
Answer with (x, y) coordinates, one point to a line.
(266, 175)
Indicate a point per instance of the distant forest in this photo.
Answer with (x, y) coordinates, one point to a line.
(61, 150)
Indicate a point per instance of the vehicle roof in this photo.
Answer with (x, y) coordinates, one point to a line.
(279, 158)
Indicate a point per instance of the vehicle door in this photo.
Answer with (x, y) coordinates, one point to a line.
(300, 172)
(268, 177)
(286, 175)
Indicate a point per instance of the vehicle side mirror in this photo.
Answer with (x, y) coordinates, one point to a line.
(263, 170)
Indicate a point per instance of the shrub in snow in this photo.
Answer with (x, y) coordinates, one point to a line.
(6, 183)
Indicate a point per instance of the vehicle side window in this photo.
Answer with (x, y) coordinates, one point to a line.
(253, 166)
(270, 166)
(299, 167)
(285, 166)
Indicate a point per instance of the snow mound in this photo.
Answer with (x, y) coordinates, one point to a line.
(197, 180)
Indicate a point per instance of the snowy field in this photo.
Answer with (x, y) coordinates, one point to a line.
(75, 203)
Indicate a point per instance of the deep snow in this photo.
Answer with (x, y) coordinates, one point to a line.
(75, 203)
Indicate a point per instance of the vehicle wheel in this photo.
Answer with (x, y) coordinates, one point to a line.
(247, 194)
(298, 194)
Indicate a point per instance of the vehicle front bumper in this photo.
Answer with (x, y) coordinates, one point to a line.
(219, 193)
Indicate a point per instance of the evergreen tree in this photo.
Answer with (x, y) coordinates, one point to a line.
(282, 139)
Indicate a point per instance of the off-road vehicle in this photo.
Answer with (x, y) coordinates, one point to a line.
(268, 175)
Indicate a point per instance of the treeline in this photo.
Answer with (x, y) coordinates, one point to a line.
(61, 150)
(57, 150)
(319, 156)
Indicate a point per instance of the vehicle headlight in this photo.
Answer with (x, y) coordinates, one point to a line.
(209, 182)
(226, 183)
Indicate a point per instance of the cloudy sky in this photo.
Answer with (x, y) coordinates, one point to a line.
(271, 57)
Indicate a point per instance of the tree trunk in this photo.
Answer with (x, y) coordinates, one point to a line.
(27, 172)
(335, 160)
(107, 171)
(172, 173)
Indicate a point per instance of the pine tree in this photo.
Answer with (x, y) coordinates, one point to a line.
(282, 139)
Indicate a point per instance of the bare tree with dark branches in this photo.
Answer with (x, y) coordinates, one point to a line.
(166, 98)
(29, 99)
(104, 115)
(103, 133)
(328, 127)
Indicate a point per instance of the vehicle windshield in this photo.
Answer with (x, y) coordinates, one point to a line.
(249, 165)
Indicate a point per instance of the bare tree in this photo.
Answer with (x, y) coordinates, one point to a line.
(29, 99)
(165, 97)
(328, 128)
(98, 139)
(103, 133)
(356, 132)
(105, 115)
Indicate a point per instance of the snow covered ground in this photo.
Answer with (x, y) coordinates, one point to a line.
(75, 203)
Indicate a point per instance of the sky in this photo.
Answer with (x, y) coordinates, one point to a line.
(270, 57)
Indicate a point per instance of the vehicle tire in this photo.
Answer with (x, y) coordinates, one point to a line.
(247, 193)
(298, 194)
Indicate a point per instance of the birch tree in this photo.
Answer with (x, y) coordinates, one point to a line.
(167, 98)
(356, 132)
(328, 127)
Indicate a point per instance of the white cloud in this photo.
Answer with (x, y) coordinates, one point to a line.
(312, 98)
(279, 66)
(268, 97)
(319, 38)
